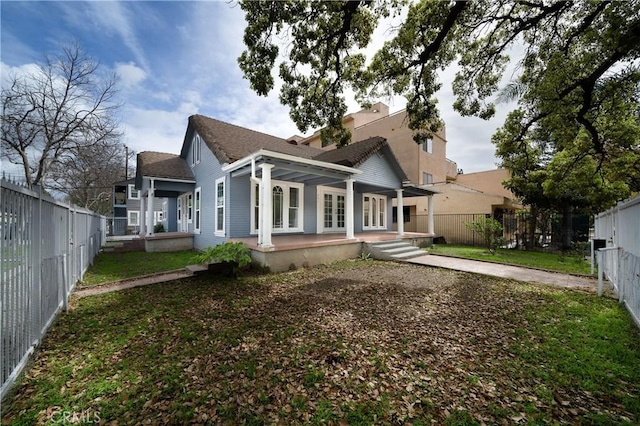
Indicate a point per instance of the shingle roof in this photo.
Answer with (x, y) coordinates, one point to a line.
(230, 143)
(353, 154)
(163, 165)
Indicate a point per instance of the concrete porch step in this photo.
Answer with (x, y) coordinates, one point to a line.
(393, 250)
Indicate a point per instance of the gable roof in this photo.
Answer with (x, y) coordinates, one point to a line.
(163, 165)
(230, 143)
(353, 154)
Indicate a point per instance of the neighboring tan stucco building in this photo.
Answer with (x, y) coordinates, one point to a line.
(423, 164)
(427, 164)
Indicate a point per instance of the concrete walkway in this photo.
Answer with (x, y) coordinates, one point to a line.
(518, 273)
(132, 282)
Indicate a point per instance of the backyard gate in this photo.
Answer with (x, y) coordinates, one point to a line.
(45, 248)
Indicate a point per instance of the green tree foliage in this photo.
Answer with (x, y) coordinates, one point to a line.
(490, 230)
(577, 55)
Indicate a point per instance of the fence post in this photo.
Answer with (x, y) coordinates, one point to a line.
(600, 272)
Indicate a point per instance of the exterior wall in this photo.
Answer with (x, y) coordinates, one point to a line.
(310, 209)
(284, 260)
(206, 172)
(411, 156)
(239, 207)
(489, 182)
(171, 221)
(459, 199)
(377, 170)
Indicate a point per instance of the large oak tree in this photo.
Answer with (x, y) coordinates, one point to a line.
(576, 80)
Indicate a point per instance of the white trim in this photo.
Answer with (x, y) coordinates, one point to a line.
(189, 200)
(170, 179)
(322, 190)
(197, 210)
(220, 231)
(129, 188)
(286, 186)
(196, 150)
(374, 212)
(277, 155)
(137, 221)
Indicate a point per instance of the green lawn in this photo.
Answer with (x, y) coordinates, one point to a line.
(117, 266)
(359, 342)
(573, 264)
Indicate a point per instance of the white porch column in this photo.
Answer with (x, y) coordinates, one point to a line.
(142, 217)
(260, 212)
(349, 210)
(150, 209)
(400, 212)
(266, 209)
(430, 223)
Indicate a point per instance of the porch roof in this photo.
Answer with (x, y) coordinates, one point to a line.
(291, 167)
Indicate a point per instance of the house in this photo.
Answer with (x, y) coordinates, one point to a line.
(126, 209)
(230, 183)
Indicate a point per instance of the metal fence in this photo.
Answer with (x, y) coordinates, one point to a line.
(620, 260)
(45, 247)
(451, 228)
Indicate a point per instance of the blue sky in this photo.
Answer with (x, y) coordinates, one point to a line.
(178, 58)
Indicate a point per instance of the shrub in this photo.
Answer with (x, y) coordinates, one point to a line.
(235, 253)
(158, 228)
(490, 230)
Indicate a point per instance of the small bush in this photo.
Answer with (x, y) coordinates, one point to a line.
(235, 253)
(158, 228)
(490, 230)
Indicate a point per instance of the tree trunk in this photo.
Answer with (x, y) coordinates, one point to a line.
(567, 228)
(531, 231)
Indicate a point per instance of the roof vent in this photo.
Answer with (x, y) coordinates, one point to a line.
(292, 142)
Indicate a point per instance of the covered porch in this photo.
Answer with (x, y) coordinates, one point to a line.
(295, 251)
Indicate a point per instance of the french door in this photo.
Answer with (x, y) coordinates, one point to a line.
(333, 211)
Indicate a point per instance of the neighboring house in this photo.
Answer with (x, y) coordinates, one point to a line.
(423, 164)
(480, 192)
(229, 182)
(127, 209)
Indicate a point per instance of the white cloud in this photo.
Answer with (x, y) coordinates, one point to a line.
(154, 130)
(129, 74)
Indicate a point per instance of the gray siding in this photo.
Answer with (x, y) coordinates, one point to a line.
(239, 202)
(377, 171)
(206, 172)
(172, 215)
(310, 209)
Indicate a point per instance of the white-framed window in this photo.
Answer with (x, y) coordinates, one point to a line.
(427, 178)
(196, 150)
(287, 203)
(197, 203)
(133, 218)
(374, 211)
(165, 210)
(134, 194)
(157, 217)
(190, 207)
(427, 146)
(220, 207)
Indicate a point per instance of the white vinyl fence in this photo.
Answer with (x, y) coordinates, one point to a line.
(45, 247)
(620, 227)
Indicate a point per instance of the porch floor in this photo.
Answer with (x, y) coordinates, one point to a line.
(294, 242)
